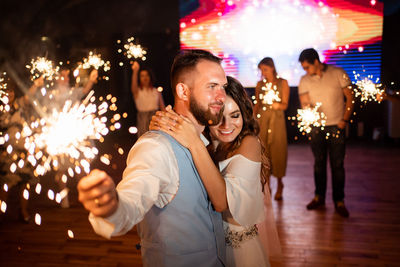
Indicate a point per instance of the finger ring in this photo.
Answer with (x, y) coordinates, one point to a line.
(96, 201)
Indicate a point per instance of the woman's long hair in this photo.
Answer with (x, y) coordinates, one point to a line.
(268, 61)
(150, 73)
(236, 91)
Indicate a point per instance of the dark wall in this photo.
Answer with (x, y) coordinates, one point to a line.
(67, 30)
(72, 28)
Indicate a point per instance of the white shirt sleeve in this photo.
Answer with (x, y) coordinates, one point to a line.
(150, 178)
(243, 190)
(303, 86)
(343, 78)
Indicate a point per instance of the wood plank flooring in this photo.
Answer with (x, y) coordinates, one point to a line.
(370, 237)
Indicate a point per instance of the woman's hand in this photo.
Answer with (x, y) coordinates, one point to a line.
(179, 127)
(135, 66)
(276, 106)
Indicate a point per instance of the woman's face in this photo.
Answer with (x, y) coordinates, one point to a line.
(266, 71)
(231, 124)
(144, 77)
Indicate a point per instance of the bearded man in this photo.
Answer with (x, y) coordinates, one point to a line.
(161, 191)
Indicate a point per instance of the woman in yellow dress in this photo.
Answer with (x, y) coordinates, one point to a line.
(270, 110)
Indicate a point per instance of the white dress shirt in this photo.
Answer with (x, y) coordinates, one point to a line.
(151, 178)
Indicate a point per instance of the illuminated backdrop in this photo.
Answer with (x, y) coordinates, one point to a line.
(242, 32)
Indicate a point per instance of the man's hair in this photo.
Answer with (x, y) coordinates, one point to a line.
(186, 61)
(309, 55)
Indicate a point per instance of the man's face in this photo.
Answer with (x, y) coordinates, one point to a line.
(207, 95)
(311, 69)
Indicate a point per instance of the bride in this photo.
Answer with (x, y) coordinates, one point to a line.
(237, 188)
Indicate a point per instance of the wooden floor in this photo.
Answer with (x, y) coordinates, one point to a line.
(370, 237)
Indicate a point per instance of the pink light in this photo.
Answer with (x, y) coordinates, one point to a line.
(360, 48)
(373, 2)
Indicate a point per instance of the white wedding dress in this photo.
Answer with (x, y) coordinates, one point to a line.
(246, 206)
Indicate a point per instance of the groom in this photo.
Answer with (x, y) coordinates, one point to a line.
(161, 190)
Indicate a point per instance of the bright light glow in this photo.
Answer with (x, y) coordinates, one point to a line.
(308, 118)
(38, 219)
(249, 30)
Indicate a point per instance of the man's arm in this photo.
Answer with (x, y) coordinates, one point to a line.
(305, 100)
(150, 172)
(348, 93)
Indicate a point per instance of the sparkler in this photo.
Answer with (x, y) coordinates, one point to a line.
(133, 50)
(3, 94)
(270, 94)
(366, 88)
(310, 117)
(65, 137)
(95, 61)
(41, 66)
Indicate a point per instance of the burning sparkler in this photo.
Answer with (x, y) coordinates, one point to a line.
(133, 50)
(308, 118)
(95, 61)
(3, 94)
(269, 93)
(41, 66)
(366, 88)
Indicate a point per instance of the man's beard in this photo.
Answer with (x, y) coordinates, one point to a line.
(204, 117)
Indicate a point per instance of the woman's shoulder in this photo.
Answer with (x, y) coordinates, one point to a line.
(282, 80)
(250, 148)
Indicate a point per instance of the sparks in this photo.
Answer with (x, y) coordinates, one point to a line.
(308, 118)
(269, 94)
(366, 88)
(134, 50)
(95, 61)
(41, 66)
(65, 136)
(3, 95)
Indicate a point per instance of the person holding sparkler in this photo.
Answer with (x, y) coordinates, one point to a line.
(271, 117)
(239, 180)
(147, 98)
(12, 171)
(329, 85)
(161, 190)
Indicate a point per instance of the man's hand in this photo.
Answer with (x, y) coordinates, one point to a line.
(98, 194)
(342, 124)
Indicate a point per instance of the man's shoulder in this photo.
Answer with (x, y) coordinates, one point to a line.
(334, 68)
(153, 139)
(304, 79)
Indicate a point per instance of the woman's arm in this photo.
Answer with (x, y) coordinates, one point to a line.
(94, 74)
(257, 106)
(134, 82)
(161, 104)
(185, 133)
(283, 105)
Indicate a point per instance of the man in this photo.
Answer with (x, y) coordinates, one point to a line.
(328, 85)
(161, 190)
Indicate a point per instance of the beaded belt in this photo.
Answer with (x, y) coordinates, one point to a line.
(234, 238)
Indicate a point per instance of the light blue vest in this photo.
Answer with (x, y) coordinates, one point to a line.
(187, 231)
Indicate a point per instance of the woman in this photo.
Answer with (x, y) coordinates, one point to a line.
(271, 117)
(147, 99)
(243, 172)
(11, 122)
